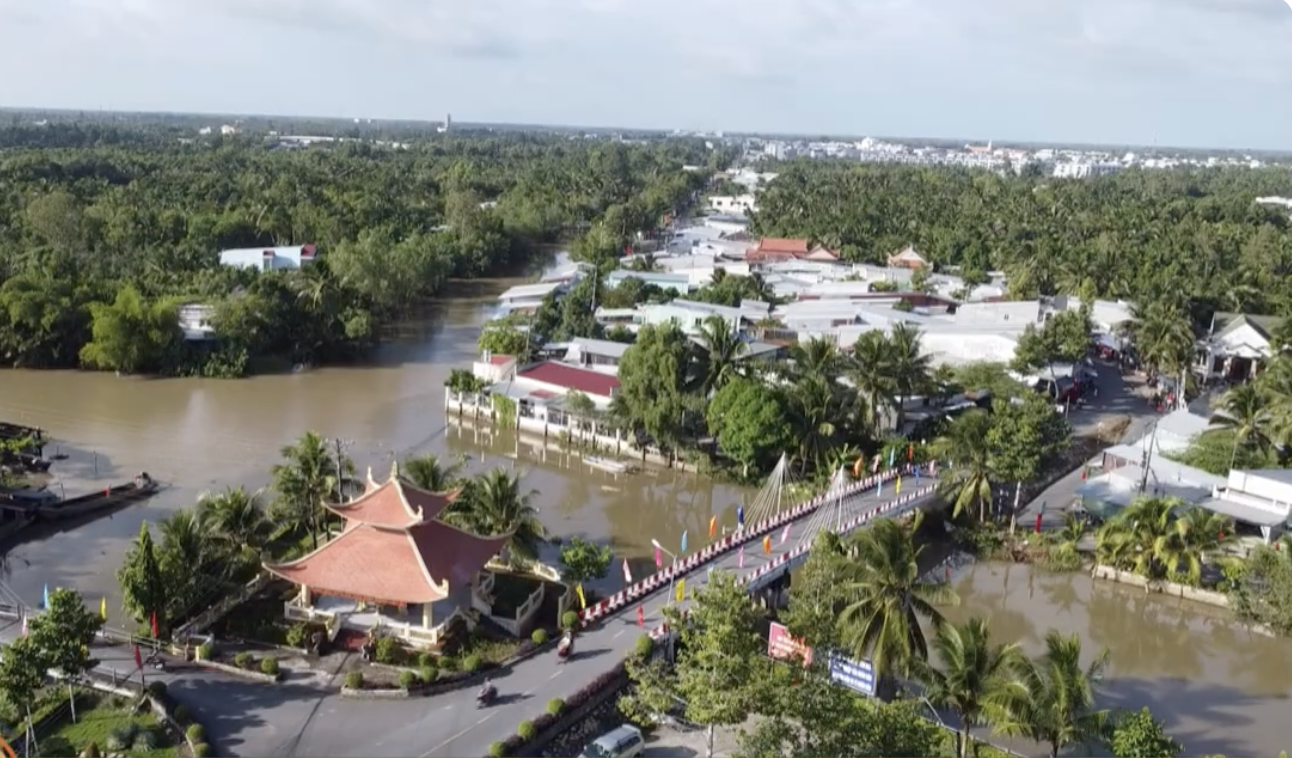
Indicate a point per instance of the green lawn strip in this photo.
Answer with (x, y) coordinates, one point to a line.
(98, 716)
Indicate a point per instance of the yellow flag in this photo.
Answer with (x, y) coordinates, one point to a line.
(898, 489)
(681, 590)
(103, 609)
(583, 601)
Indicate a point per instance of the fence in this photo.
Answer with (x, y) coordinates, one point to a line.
(687, 564)
(201, 622)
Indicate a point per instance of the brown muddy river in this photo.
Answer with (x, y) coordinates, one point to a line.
(197, 435)
(1218, 688)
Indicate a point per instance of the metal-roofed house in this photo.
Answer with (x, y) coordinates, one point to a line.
(1262, 498)
(677, 283)
(597, 355)
(269, 258)
(1236, 346)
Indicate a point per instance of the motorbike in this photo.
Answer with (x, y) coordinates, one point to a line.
(156, 661)
(486, 696)
(563, 652)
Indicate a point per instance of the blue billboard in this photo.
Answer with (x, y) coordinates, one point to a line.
(858, 676)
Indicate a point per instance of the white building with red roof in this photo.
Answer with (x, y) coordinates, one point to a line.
(395, 565)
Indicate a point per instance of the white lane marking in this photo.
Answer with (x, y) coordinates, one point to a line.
(621, 631)
(431, 752)
(553, 676)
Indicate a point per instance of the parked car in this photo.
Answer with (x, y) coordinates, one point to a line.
(620, 742)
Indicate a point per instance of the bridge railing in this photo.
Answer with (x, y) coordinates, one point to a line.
(688, 563)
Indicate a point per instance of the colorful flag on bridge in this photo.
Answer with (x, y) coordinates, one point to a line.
(933, 468)
(683, 550)
(659, 559)
(24, 623)
(856, 467)
(917, 476)
(740, 557)
(740, 516)
(713, 526)
(156, 634)
(139, 659)
(44, 603)
(767, 544)
(681, 590)
(103, 609)
(910, 452)
(879, 488)
(583, 600)
(628, 575)
(898, 488)
(892, 456)
(785, 534)
(874, 468)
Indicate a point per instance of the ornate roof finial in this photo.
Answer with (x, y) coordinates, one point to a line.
(394, 470)
(420, 517)
(370, 481)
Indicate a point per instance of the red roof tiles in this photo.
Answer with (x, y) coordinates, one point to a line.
(393, 505)
(571, 378)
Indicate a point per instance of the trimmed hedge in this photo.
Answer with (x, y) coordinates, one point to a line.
(555, 706)
(526, 730)
(407, 679)
(569, 619)
(195, 733)
(354, 680)
(539, 636)
(269, 665)
(644, 646)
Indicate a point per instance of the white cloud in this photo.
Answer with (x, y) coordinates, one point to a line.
(808, 65)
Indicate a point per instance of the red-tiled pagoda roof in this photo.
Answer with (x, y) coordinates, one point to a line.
(421, 563)
(395, 504)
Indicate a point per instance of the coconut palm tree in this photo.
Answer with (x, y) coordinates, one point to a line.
(1134, 534)
(815, 405)
(1194, 535)
(888, 601)
(869, 368)
(973, 678)
(310, 475)
(722, 349)
(494, 504)
(818, 358)
(1058, 707)
(428, 472)
(1245, 412)
(1163, 335)
(236, 515)
(909, 365)
(967, 484)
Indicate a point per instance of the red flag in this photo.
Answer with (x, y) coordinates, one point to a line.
(910, 452)
(139, 660)
(154, 626)
(641, 616)
(713, 526)
(1038, 523)
(1083, 473)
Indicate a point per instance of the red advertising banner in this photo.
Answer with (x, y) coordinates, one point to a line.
(780, 644)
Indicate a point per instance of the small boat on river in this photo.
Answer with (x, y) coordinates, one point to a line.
(142, 488)
(607, 465)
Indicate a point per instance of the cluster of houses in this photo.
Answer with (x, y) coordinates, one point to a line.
(1259, 502)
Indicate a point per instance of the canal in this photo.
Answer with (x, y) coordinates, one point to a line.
(197, 435)
(1219, 688)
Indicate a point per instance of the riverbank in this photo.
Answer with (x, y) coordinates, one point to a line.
(1219, 688)
(198, 435)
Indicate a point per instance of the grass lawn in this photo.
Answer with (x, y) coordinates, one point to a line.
(98, 716)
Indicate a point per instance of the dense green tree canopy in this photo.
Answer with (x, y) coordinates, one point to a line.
(82, 219)
(1192, 236)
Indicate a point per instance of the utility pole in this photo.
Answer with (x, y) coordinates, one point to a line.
(1147, 459)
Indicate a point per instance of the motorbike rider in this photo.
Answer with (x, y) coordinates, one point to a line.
(566, 645)
(487, 690)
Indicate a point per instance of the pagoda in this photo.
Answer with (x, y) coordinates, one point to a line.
(395, 565)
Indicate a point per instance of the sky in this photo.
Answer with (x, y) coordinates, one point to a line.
(1198, 73)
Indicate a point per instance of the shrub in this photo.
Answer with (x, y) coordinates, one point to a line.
(539, 636)
(555, 705)
(430, 674)
(269, 665)
(471, 664)
(201, 750)
(195, 733)
(243, 660)
(354, 680)
(157, 689)
(205, 651)
(121, 738)
(425, 659)
(388, 651)
(145, 741)
(298, 634)
(496, 750)
(526, 730)
(644, 646)
(407, 679)
(448, 663)
(569, 619)
(182, 714)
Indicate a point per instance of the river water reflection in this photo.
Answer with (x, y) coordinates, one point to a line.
(198, 435)
(1219, 688)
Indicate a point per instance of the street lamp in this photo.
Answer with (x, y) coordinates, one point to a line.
(672, 579)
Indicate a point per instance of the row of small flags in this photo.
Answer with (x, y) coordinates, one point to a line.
(767, 540)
